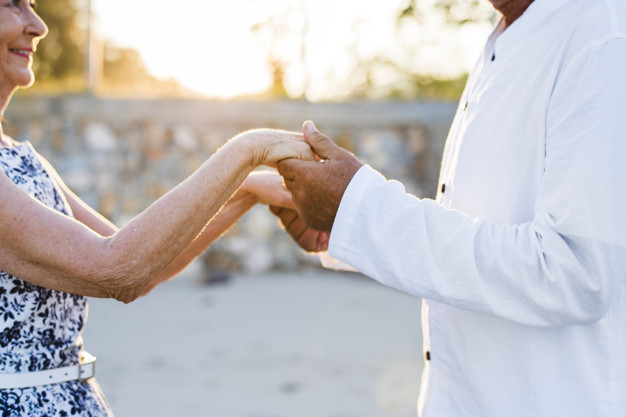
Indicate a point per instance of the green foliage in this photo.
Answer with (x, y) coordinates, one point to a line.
(60, 56)
(410, 11)
(403, 84)
(460, 12)
(428, 87)
(456, 12)
(59, 64)
(60, 61)
(125, 74)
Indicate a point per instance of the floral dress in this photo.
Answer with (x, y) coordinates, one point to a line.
(40, 328)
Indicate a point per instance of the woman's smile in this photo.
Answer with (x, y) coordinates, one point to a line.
(20, 31)
(26, 53)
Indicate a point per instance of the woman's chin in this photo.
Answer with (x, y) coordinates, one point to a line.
(27, 81)
(28, 84)
(24, 80)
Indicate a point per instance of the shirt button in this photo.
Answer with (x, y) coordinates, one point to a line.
(427, 355)
(465, 105)
(443, 188)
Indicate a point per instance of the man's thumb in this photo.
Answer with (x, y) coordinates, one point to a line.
(320, 143)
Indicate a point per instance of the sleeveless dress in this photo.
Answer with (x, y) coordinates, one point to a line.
(40, 328)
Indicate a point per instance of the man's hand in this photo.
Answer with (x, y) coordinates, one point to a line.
(318, 186)
(308, 239)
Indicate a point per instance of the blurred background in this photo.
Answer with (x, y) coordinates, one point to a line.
(131, 97)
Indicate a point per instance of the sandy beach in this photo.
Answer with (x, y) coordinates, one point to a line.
(307, 344)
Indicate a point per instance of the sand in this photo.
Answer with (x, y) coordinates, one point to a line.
(305, 344)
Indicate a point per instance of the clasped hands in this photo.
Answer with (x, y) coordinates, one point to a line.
(315, 174)
(317, 187)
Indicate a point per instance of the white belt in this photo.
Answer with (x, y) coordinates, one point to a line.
(84, 370)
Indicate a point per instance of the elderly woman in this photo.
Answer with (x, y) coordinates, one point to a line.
(55, 250)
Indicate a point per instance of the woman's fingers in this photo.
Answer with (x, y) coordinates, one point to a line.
(269, 189)
(287, 150)
(279, 145)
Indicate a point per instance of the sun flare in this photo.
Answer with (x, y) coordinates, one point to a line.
(209, 45)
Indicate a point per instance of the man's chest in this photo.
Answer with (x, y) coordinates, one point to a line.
(494, 156)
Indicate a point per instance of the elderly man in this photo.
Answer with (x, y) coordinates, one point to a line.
(521, 260)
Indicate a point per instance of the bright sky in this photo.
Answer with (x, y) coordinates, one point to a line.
(208, 44)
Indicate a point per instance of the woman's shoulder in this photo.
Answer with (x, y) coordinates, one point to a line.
(8, 140)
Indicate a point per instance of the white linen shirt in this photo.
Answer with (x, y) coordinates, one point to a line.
(521, 261)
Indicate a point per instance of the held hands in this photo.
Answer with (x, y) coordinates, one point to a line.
(267, 188)
(270, 146)
(315, 171)
(317, 186)
(308, 239)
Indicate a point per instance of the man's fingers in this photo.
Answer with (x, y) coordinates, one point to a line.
(285, 215)
(290, 221)
(297, 228)
(308, 239)
(276, 210)
(321, 144)
(289, 168)
(285, 169)
(295, 170)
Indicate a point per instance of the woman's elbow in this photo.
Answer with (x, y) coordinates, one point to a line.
(123, 278)
(125, 293)
(124, 284)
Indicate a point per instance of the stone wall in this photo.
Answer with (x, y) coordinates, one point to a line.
(120, 155)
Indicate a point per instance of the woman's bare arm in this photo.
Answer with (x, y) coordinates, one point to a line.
(264, 188)
(49, 249)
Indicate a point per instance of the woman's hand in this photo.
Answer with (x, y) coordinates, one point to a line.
(270, 146)
(154, 245)
(268, 188)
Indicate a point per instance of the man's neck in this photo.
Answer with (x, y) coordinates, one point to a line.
(511, 9)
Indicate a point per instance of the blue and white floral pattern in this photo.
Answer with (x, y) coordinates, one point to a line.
(41, 328)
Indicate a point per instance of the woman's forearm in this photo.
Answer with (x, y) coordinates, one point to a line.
(153, 240)
(236, 207)
(51, 250)
(146, 246)
(261, 187)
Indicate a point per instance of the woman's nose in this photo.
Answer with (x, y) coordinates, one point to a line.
(35, 26)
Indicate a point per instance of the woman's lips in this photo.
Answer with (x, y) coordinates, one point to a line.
(26, 53)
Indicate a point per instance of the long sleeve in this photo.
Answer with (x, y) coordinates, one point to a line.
(563, 264)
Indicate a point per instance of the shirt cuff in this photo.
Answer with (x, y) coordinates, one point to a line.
(349, 208)
(329, 262)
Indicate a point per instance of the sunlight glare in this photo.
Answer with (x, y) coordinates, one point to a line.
(208, 45)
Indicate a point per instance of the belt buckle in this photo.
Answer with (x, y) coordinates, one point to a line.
(86, 366)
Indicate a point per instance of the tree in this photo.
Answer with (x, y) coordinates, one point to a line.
(373, 75)
(125, 74)
(60, 56)
(457, 12)
(59, 63)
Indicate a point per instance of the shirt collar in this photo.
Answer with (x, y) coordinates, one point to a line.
(535, 15)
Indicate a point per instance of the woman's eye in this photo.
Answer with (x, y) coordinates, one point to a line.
(17, 3)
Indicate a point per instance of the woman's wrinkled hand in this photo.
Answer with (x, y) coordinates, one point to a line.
(268, 188)
(270, 146)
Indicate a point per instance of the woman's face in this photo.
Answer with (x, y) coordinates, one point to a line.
(20, 31)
